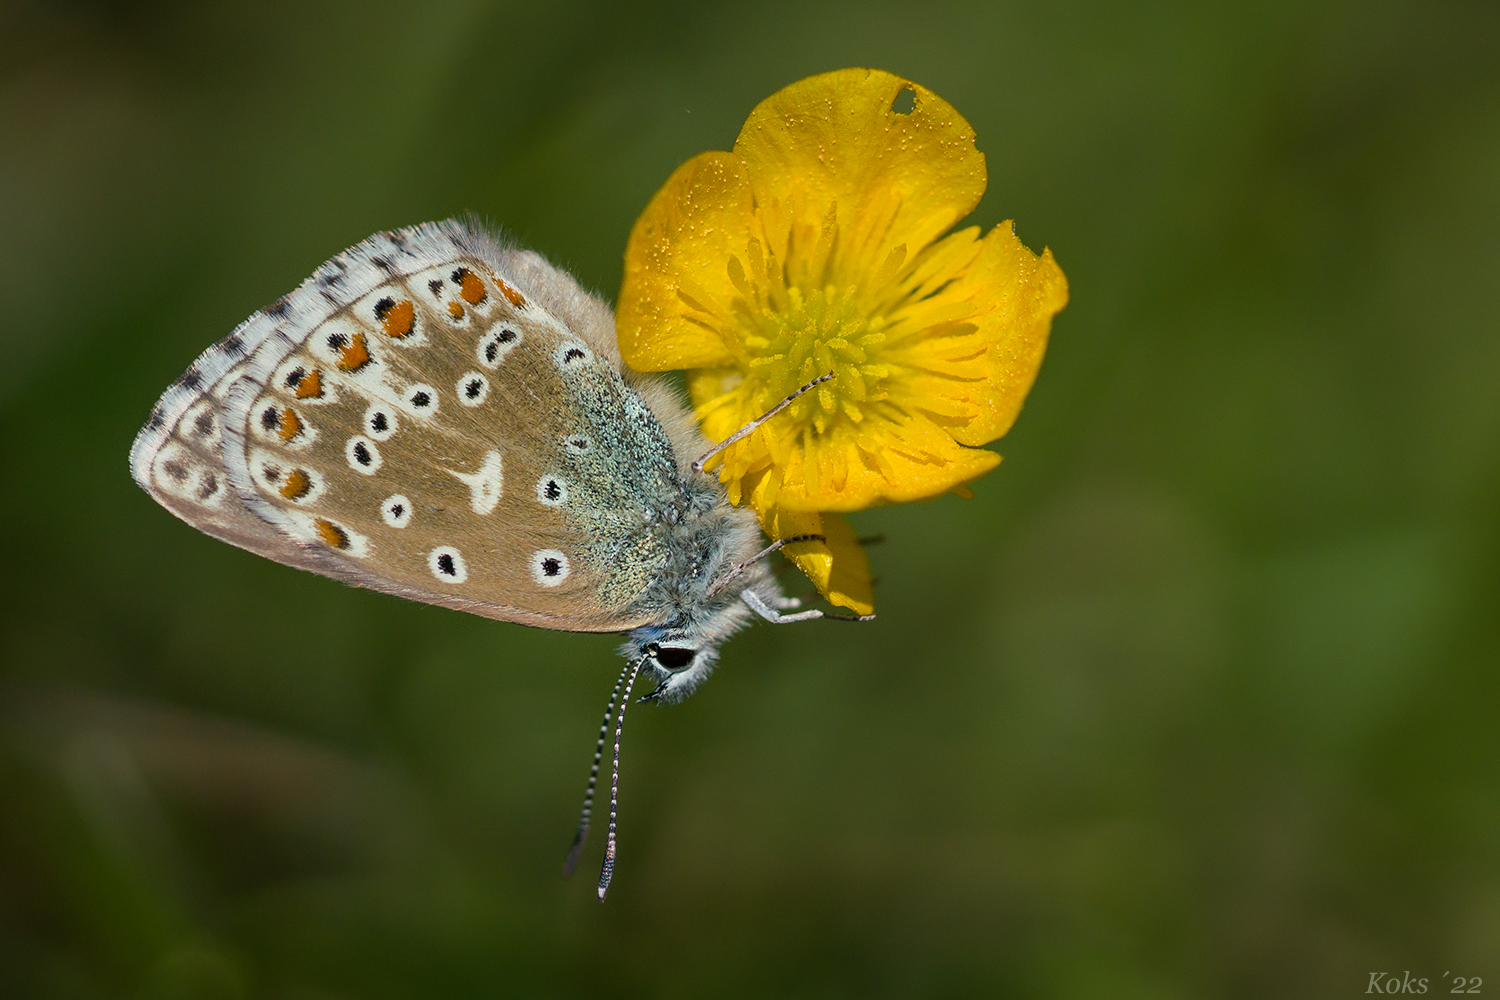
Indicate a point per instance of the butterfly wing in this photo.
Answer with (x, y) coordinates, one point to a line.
(431, 415)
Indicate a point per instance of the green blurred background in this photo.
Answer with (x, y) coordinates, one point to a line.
(1198, 698)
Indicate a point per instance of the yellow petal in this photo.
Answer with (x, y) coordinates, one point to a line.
(721, 407)
(832, 145)
(1015, 293)
(892, 463)
(677, 299)
(837, 567)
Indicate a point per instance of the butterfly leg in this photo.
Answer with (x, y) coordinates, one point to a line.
(771, 549)
(770, 614)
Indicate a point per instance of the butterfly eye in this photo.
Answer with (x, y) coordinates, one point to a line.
(675, 657)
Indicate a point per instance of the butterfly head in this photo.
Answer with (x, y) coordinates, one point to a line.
(677, 661)
(681, 654)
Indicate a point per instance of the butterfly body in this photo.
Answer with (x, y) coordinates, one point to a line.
(439, 416)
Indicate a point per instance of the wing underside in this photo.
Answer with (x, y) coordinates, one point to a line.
(411, 419)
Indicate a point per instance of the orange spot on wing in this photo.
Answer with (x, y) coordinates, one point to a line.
(398, 319)
(332, 533)
(310, 386)
(296, 486)
(291, 424)
(469, 286)
(355, 354)
(455, 310)
(514, 297)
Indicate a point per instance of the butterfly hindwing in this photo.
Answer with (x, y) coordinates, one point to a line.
(415, 420)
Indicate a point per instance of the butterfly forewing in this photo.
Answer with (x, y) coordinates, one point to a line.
(412, 419)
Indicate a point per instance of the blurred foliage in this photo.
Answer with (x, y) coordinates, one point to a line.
(1198, 697)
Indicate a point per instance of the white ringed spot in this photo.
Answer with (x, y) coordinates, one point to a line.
(201, 423)
(396, 511)
(302, 379)
(549, 567)
(380, 422)
(390, 309)
(362, 455)
(447, 564)
(338, 536)
(280, 424)
(291, 482)
(473, 389)
(495, 345)
(485, 483)
(571, 354)
(177, 471)
(551, 491)
(421, 399)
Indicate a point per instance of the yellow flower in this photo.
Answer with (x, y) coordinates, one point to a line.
(817, 246)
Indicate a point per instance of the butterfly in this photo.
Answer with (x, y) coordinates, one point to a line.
(443, 416)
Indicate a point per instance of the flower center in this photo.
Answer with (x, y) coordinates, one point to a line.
(813, 332)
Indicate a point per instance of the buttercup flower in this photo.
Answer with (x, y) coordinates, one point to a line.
(817, 246)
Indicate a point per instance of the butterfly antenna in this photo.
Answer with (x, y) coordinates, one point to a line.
(608, 871)
(750, 428)
(588, 796)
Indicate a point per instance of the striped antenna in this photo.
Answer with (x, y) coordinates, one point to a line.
(608, 871)
(588, 797)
